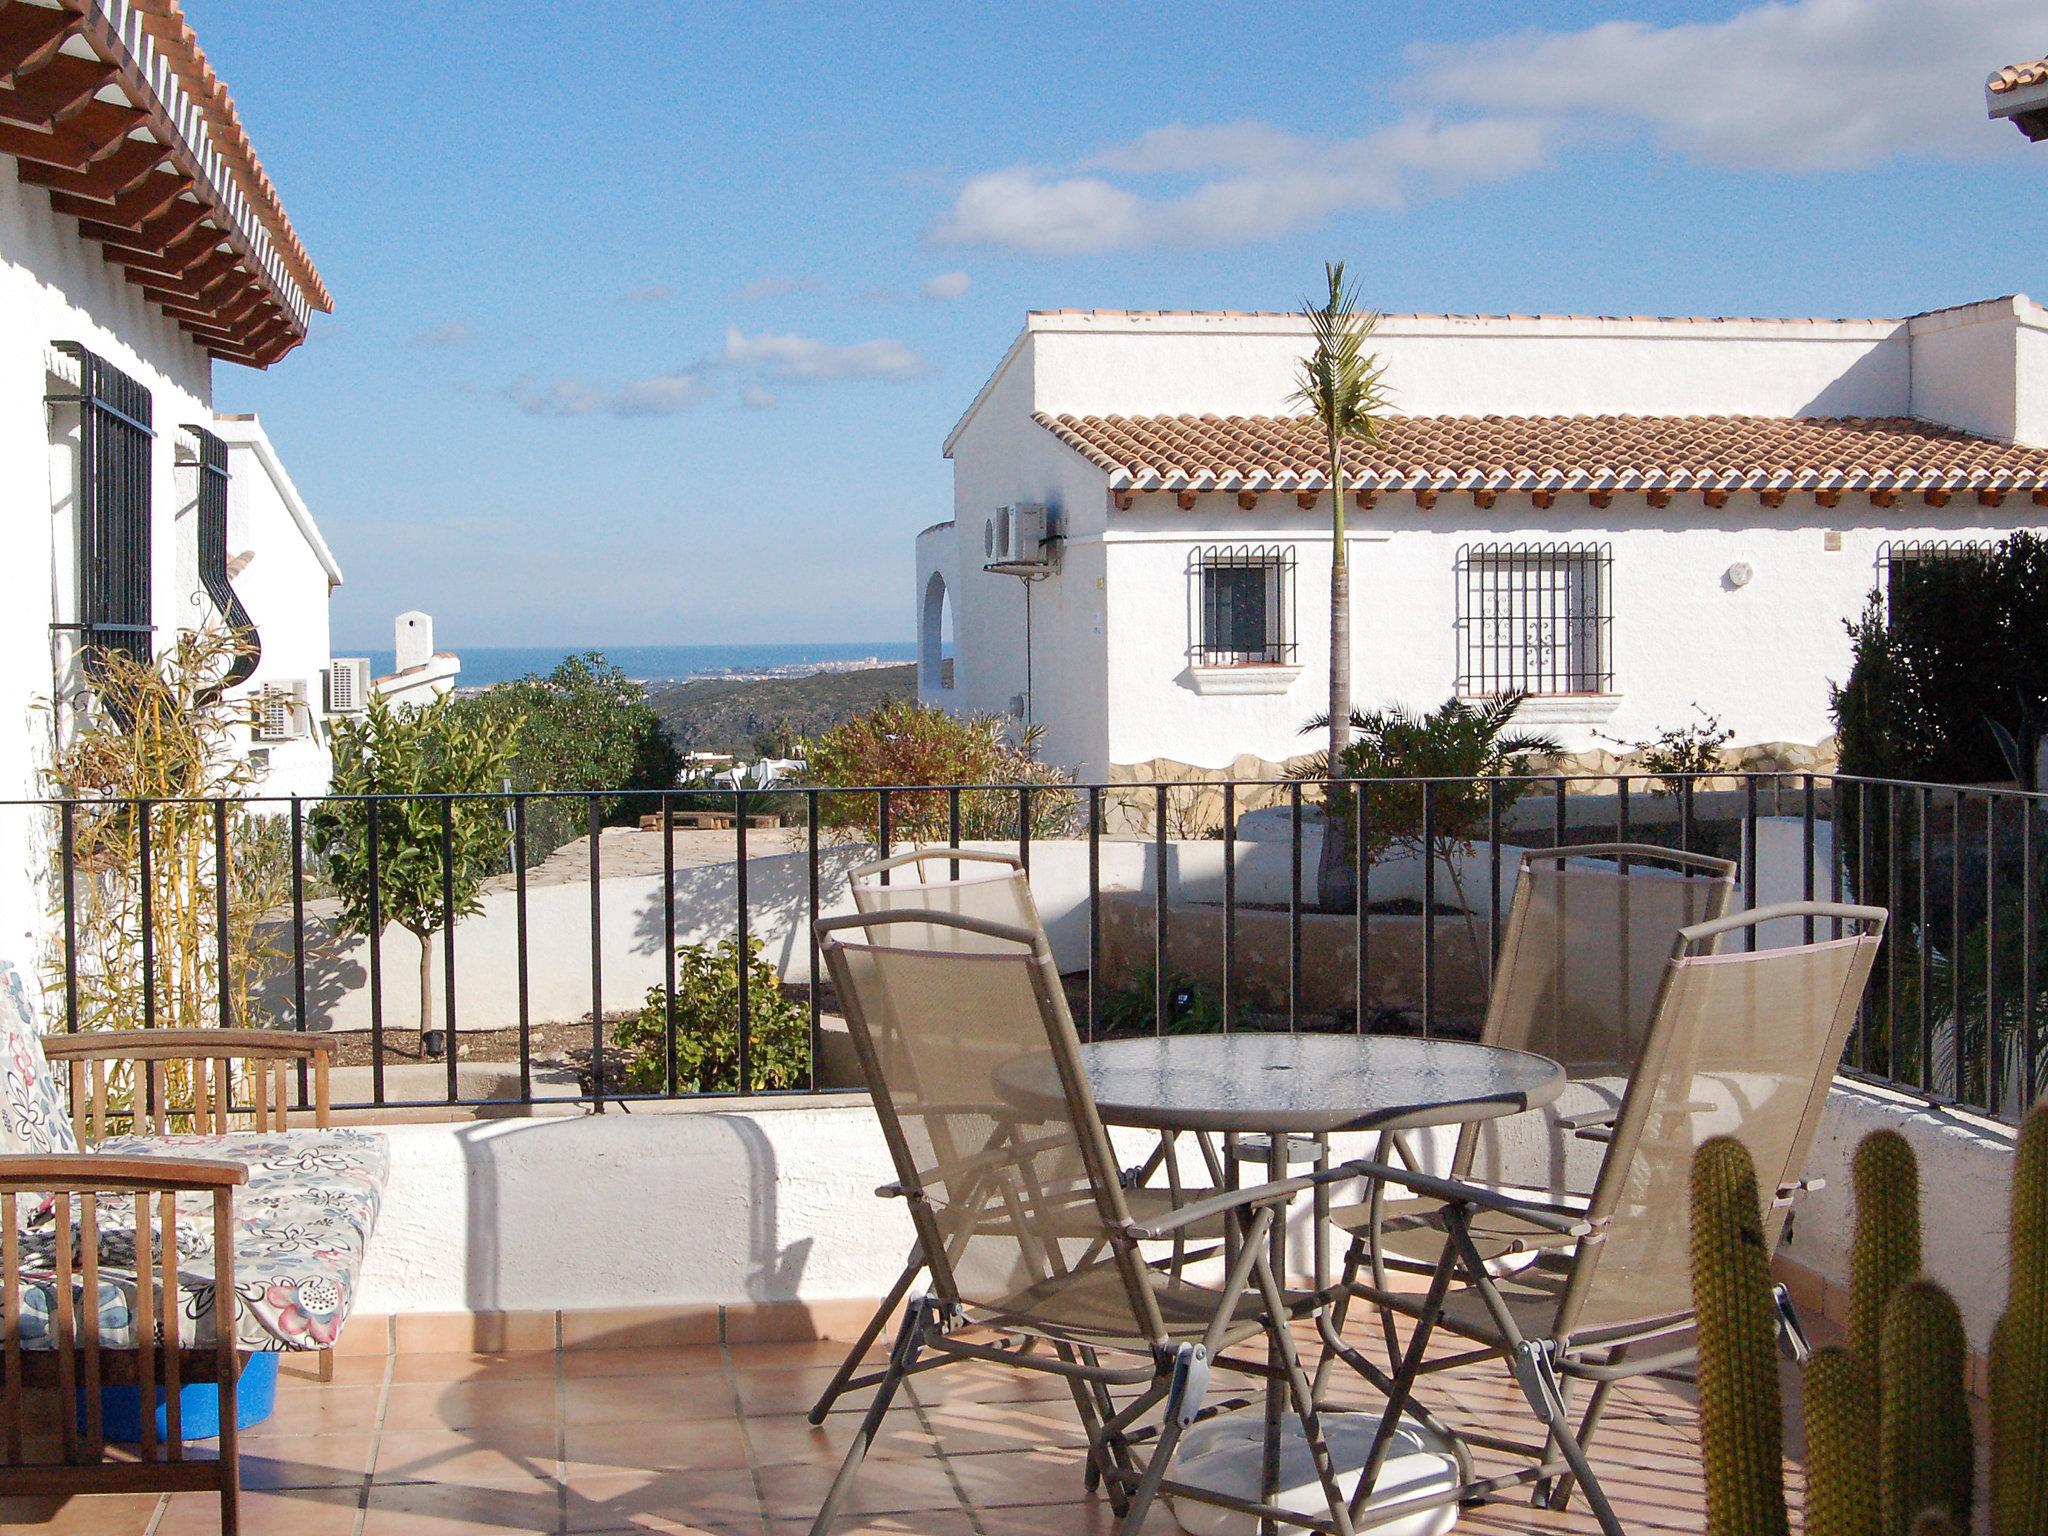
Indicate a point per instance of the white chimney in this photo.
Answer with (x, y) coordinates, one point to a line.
(415, 641)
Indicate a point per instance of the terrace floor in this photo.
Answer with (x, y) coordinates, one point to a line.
(712, 1439)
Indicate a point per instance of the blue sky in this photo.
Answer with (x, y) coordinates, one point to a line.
(649, 331)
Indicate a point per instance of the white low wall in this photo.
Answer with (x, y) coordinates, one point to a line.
(776, 1203)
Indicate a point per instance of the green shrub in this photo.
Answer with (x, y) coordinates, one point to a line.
(904, 742)
(707, 1026)
(1192, 1007)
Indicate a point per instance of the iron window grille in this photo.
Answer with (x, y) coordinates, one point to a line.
(1535, 618)
(1901, 561)
(212, 461)
(1241, 605)
(114, 438)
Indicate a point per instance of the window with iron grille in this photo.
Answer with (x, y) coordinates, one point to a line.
(1900, 562)
(1535, 618)
(114, 437)
(212, 461)
(1241, 605)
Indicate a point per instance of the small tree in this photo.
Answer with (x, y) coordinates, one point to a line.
(1340, 385)
(1464, 744)
(584, 726)
(429, 848)
(904, 742)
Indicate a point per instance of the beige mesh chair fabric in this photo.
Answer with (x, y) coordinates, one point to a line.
(1587, 939)
(1741, 1044)
(961, 882)
(978, 1083)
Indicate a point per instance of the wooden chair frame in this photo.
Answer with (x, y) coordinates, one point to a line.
(79, 1183)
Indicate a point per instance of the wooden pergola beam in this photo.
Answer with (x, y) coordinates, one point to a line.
(133, 209)
(1601, 499)
(104, 180)
(1306, 500)
(29, 35)
(1773, 496)
(1716, 496)
(1484, 496)
(1884, 497)
(1990, 497)
(1831, 498)
(1425, 497)
(1659, 497)
(1185, 500)
(1544, 500)
(1246, 500)
(55, 90)
(1935, 496)
(1366, 500)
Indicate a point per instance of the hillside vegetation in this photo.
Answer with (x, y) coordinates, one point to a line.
(736, 714)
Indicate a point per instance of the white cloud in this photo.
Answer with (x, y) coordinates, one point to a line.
(759, 288)
(756, 398)
(661, 394)
(1791, 85)
(1252, 182)
(796, 359)
(451, 333)
(948, 285)
(648, 293)
(1813, 85)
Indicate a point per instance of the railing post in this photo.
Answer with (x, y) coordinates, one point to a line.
(1294, 904)
(745, 958)
(1428, 908)
(520, 958)
(1229, 905)
(811, 934)
(1094, 904)
(595, 818)
(376, 927)
(1159, 986)
(298, 824)
(1362, 915)
(67, 837)
(668, 945)
(454, 1087)
(223, 1004)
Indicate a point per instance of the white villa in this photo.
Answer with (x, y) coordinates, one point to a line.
(1625, 517)
(141, 242)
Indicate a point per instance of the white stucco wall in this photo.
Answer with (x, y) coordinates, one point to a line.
(55, 287)
(1111, 634)
(286, 587)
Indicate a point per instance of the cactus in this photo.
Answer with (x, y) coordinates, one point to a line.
(1740, 1427)
(1841, 1457)
(1925, 1448)
(1885, 1250)
(2019, 1349)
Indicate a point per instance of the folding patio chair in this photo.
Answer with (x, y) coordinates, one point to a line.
(1587, 939)
(1739, 1043)
(968, 882)
(1022, 1215)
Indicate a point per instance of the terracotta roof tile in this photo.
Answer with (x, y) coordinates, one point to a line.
(2018, 76)
(1281, 453)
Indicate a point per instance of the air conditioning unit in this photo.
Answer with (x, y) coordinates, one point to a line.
(281, 711)
(348, 685)
(1016, 536)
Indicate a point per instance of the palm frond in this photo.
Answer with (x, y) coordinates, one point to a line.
(1339, 382)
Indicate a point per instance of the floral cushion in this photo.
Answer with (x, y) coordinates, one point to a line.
(32, 1118)
(302, 1227)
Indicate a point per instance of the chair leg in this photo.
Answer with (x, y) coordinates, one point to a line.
(327, 1365)
(1183, 1402)
(1538, 1380)
(1559, 1495)
(1303, 1392)
(920, 1315)
(1791, 1332)
(843, 1379)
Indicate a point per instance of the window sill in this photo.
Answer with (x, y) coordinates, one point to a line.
(1566, 708)
(1241, 681)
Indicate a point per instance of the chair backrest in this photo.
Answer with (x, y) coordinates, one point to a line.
(964, 882)
(1588, 936)
(32, 1115)
(1744, 1045)
(975, 1070)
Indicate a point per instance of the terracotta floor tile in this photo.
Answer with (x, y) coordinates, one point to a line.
(510, 1455)
(469, 1404)
(108, 1514)
(924, 1522)
(794, 1391)
(349, 1371)
(783, 1438)
(455, 1509)
(306, 1461)
(988, 1384)
(883, 1487)
(965, 1428)
(999, 1478)
(462, 1367)
(297, 1512)
(779, 1357)
(336, 1410)
(661, 1360)
(656, 1446)
(603, 1400)
(714, 1503)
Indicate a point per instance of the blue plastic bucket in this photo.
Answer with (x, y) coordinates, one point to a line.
(198, 1404)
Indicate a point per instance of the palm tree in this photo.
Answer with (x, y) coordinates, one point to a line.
(1341, 385)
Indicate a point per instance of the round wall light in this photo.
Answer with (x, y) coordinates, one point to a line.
(1739, 574)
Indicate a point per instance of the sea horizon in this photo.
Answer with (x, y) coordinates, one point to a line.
(483, 665)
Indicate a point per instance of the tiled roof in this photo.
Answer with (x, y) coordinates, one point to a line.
(2018, 76)
(165, 22)
(1281, 453)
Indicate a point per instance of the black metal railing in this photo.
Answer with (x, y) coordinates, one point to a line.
(591, 973)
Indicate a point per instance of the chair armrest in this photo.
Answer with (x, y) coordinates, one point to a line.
(99, 1173)
(1278, 1192)
(168, 1044)
(1452, 1192)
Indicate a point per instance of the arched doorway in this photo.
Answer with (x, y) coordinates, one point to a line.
(935, 638)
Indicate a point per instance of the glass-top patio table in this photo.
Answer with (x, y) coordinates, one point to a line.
(1281, 1089)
